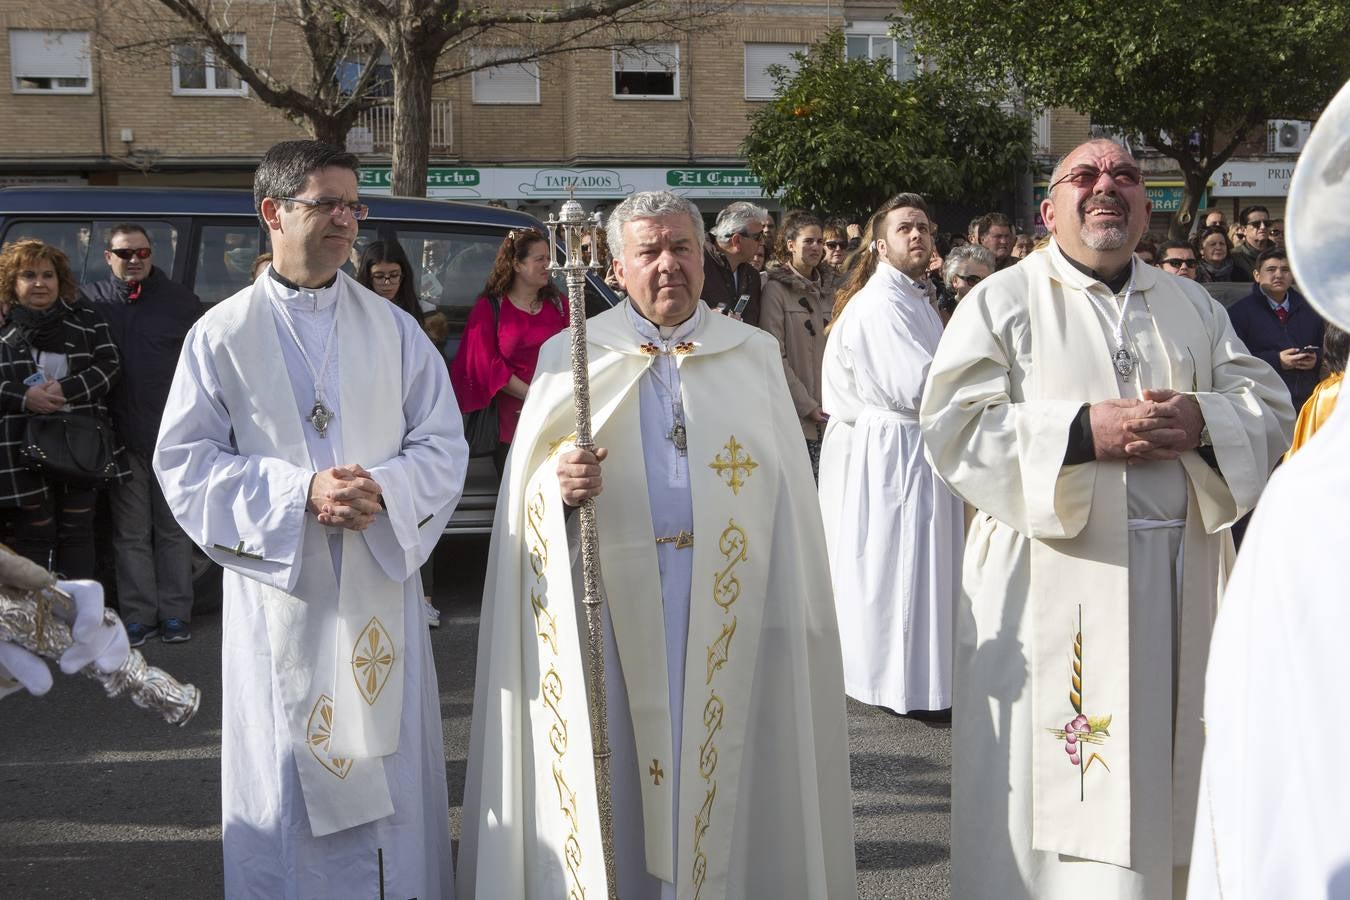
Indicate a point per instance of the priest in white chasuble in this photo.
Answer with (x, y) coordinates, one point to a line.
(893, 528)
(312, 446)
(1108, 427)
(726, 708)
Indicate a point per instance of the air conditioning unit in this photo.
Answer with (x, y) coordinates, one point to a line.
(1287, 136)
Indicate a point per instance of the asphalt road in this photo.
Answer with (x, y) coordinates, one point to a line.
(99, 799)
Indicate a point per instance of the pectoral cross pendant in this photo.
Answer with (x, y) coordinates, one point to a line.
(678, 437)
(1124, 362)
(319, 417)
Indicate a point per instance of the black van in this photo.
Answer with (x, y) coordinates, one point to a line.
(207, 239)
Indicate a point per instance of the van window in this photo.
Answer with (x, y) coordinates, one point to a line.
(451, 268)
(225, 259)
(83, 240)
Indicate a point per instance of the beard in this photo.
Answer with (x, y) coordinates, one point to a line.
(1103, 235)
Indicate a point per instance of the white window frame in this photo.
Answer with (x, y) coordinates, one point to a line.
(875, 31)
(758, 84)
(516, 72)
(649, 52)
(21, 69)
(209, 63)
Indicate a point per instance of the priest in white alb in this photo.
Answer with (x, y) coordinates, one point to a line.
(312, 446)
(894, 530)
(1108, 427)
(722, 665)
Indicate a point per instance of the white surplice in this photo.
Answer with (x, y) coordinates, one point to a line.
(248, 512)
(893, 529)
(1274, 810)
(726, 713)
(1077, 595)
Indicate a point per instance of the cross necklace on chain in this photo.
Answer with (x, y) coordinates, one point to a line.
(677, 434)
(319, 415)
(1123, 359)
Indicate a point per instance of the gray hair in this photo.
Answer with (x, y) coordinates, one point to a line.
(963, 254)
(1058, 171)
(649, 205)
(736, 217)
(286, 167)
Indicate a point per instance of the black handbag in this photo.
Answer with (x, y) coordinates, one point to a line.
(70, 447)
(482, 428)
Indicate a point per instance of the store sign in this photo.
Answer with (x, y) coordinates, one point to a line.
(1253, 179)
(512, 183)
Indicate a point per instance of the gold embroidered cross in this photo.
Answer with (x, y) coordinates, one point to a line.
(733, 465)
(555, 446)
(656, 771)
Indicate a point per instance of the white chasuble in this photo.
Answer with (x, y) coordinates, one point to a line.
(761, 762)
(1089, 590)
(331, 704)
(893, 529)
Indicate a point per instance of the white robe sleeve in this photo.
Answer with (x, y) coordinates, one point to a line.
(1003, 456)
(888, 357)
(423, 483)
(1250, 420)
(246, 512)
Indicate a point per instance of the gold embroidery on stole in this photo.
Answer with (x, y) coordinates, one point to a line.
(319, 731)
(372, 662)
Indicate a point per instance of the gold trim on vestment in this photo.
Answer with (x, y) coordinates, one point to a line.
(725, 591)
(318, 733)
(551, 685)
(372, 663)
(732, 465)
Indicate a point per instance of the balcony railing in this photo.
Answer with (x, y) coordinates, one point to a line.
(379, 120)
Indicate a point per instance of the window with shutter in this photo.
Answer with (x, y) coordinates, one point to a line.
(49, 62)
(758, 59)
(649, 72)
(510, 83)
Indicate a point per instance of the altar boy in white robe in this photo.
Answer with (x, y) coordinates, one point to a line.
(312, 446)
(726, 707)
(1108, 427)
(894, 530)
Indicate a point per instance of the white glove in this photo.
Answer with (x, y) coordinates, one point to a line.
(27, 669)
(102, 643)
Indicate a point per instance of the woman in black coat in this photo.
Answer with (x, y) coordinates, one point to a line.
(56, 357)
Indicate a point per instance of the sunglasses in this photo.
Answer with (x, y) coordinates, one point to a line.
(1177, 263)
(971, 280)
(1087, 176)
(128, 253)
(758, 236)
(837, 245)
(1259, 224)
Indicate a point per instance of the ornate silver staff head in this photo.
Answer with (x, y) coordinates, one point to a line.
(572, 225)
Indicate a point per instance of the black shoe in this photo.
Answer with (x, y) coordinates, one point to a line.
(138, 634)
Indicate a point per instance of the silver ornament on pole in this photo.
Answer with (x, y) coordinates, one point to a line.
(569, 228)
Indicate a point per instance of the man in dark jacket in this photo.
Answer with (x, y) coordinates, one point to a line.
(1255, 239)
(149, 315)
(1279, 326)
(727, 274)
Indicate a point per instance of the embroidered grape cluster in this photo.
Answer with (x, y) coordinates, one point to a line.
(1076, 726)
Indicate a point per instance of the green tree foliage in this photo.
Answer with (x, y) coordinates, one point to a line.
(843, 135)
(1164, 70)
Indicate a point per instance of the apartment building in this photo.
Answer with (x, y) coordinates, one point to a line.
(670, 114)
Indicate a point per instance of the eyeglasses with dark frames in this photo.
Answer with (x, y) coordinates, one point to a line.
(128, 253)
(758, 236)
(1180, 263)
(1087, 176)
(971, 280)
(333, 206)
(384, 278)
(837, 245)
(1258, 224)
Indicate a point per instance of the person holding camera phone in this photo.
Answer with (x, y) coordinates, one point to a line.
(1279, 326)
(57, 358)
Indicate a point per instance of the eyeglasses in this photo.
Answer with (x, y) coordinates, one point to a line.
(1276, 232)
(386, 279)
(1087, 176)
(1179, 263)
(971, 280)
(837, 245)
(130, 253)
(1258, 224)
(333, 207)
(758, 236)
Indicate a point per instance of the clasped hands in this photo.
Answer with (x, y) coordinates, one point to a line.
(345, 496)
(44, 398)
(1161, 425)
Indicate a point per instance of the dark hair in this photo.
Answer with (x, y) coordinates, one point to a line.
(1248, 210)
(125, 228)
(1173, 245)
(377, 252)
(988, 221)
(792, 227)
(862, 263)
(286, 167)
(1146, 246)
(1335, 347)
(1213, 229)
(1272, 253)
(515, 248)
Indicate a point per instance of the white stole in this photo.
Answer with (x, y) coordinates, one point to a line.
(1080, 583)
(336, 643)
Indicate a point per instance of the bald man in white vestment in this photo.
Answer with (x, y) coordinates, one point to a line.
(722, 665)
(312, 446)
(1108, 427)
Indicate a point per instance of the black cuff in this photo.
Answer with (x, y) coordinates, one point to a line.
(1080, 448)
(1207, 454)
